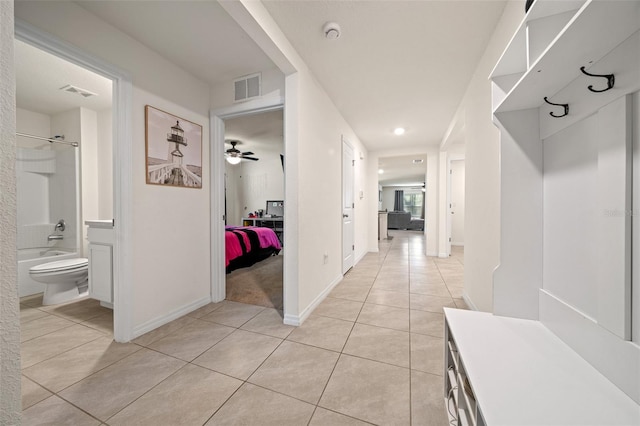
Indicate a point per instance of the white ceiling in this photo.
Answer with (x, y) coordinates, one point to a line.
(402, 170)
(198, 36)
(397, 63)
(40, 75)
(258, 133)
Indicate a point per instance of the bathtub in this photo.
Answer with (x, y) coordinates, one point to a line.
(30, 257)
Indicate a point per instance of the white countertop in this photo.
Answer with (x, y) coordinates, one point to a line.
(101, 223)
(521, 373)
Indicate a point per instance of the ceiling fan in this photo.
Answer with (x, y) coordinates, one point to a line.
(234, 156)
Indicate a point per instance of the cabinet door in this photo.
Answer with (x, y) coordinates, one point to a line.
(100, 272)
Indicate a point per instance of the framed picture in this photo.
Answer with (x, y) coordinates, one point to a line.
(173, 150)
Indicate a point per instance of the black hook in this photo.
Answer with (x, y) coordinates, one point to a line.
(611, 80)
(565, 106)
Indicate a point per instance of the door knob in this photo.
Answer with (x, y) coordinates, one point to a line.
(345, 215)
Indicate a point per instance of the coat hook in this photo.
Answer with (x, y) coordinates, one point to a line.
(565, 106)
(611, 80)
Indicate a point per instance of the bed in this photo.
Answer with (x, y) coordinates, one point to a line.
(247, 245)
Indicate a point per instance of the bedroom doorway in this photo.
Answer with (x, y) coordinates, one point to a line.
(254, 208)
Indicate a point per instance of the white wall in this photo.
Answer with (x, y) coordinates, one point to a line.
(170, 225)
(47, 189)
(321, 127)
(635, 224)
(457, 202)
(388, 197)
(313, 145)
(33, 202)
(32, 123)
(105, 165)
(255, 182)
(10, 406)
(482, 184)
(222, 95)
(66, 186)
(234, 195)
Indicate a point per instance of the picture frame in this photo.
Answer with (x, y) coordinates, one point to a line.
(173, 150)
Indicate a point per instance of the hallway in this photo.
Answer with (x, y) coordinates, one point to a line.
(370, 353)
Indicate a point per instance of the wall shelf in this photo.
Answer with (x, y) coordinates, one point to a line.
(580, 43)
(565, 271)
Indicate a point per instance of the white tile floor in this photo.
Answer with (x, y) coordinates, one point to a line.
(371, 353)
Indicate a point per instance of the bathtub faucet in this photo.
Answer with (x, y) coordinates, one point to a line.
(61, 225)
(54, 237)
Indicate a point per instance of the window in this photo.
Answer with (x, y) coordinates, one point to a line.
(413, 203)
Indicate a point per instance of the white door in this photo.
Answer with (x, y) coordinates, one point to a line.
(457, 202)
(347, 207)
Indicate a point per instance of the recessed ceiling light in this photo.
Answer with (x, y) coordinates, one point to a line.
(380, 171)
(399, 131)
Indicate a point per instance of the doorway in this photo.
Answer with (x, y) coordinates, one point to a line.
(218, 218)
(348, 247)
(121, 182)
(254, 198)
(457, 202)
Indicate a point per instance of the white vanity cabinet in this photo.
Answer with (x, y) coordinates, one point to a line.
(101, 238)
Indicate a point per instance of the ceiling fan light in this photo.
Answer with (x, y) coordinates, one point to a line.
(233, 160)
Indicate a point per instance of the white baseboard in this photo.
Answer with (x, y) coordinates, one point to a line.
(359, 258)
(106, 305)
(468, 301)
(459, 244)
(162, 320)
(297, 320)
(432, 253)
(443, 255)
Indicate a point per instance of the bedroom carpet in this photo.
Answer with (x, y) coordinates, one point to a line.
(261, 284)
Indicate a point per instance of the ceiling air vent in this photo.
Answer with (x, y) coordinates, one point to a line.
(247, 87)
(78, 91)
(418, 161)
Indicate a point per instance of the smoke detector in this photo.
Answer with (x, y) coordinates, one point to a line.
(331, 30)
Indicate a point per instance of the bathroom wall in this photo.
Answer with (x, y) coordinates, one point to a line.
(46, 181)
(33, 204)
(64, 186)
(69, 185)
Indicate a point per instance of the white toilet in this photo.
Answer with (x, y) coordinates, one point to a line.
(65, 280)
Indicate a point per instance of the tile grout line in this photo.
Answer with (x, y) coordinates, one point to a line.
(341, 353)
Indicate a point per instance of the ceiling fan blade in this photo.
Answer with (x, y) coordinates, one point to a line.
(247, 153)
(250, 158)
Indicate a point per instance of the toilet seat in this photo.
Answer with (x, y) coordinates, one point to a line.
(65, 265)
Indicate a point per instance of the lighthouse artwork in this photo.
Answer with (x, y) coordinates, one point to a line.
(174, 150)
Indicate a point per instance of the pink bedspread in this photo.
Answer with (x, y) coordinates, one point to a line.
(234, 248)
